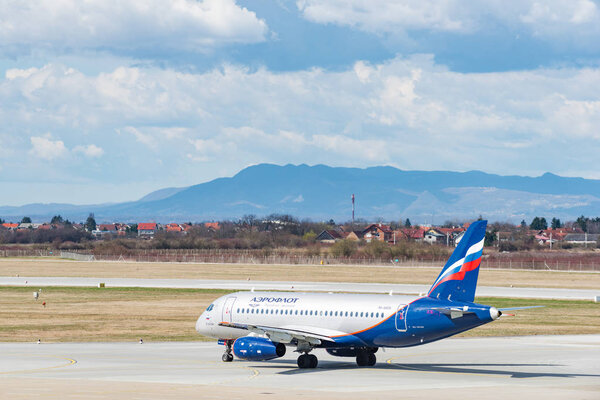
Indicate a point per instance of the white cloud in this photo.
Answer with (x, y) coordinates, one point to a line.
(408, 112)
(91, 150)
(47, 149)
(126, 25)
(386, 16)
(141, 137)
(551, 19)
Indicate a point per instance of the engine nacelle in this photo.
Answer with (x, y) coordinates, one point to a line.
(350, 351)
(257, 349)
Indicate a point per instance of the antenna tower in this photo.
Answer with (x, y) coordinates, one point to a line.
(353, 211)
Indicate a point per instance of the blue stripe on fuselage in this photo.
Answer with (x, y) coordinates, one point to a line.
(424, 324)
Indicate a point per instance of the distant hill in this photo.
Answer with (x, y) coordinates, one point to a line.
(321, 192)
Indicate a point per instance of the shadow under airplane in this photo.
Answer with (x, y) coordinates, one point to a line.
(541, 370)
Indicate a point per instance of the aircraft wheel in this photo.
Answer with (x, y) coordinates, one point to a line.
(303, 361)
(314, 361)
(372, 360)
(362, 359)
(227, 357)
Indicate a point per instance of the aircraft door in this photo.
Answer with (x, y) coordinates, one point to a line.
(227, 309)
(401, 318)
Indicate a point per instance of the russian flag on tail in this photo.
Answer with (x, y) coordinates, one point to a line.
(458, 279)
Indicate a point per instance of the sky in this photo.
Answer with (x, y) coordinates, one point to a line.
(108, 100)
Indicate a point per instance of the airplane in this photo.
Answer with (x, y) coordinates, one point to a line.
(258, 326)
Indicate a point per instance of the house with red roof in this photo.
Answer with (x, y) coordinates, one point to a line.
(46, 227)
(329, 236)
(380, 232)
(212, 225)
(147, 229)
(415, 234)
(107, 228)
(186, 227)
(433, 235)
(354, 235)
(173, 227)
(551, 236)
(10, 226)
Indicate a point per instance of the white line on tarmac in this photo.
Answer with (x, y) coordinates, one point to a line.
(488, 291)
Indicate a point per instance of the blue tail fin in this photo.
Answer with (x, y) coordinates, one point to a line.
(458, 279)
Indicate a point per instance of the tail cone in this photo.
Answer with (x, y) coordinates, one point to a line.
(495, 313)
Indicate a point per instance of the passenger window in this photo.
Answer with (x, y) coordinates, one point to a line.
(371, 315)
(346, 314)
(361, 314)
(321, 313)
(351, 313)
(325, 313)
(296, 312)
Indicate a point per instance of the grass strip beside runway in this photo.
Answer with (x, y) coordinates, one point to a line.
(128, 314)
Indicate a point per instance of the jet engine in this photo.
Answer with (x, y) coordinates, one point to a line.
(257, 349)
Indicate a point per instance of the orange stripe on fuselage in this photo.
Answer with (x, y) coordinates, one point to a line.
(377, 324)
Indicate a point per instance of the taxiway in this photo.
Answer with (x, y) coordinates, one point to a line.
(541, 367)
(484, 291)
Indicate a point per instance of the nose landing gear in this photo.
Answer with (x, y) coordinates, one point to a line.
(227, 356)
(308, 361)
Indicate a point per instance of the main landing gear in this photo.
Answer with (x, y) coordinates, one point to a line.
(227, 356)
(308, 361)
(366, 358)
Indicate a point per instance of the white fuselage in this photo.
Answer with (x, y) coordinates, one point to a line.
(326, 313)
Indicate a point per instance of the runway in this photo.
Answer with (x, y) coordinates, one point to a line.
(542, 367)
(486, 291)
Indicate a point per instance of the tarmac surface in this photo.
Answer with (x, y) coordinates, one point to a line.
(541, 367)
(486, 291)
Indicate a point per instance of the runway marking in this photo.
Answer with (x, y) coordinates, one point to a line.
(70, 362)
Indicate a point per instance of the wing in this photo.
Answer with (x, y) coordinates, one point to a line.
(284, 334)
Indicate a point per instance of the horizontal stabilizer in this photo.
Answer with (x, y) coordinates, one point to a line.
(519, 308)
(453, 312)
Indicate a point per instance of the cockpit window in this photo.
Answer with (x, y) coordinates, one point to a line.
(209, 308)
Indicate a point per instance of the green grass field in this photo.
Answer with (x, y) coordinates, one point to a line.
(123, 314)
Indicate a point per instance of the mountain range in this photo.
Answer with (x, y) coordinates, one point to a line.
(321, 192)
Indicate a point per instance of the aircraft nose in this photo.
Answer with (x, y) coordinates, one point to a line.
(201, 323)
